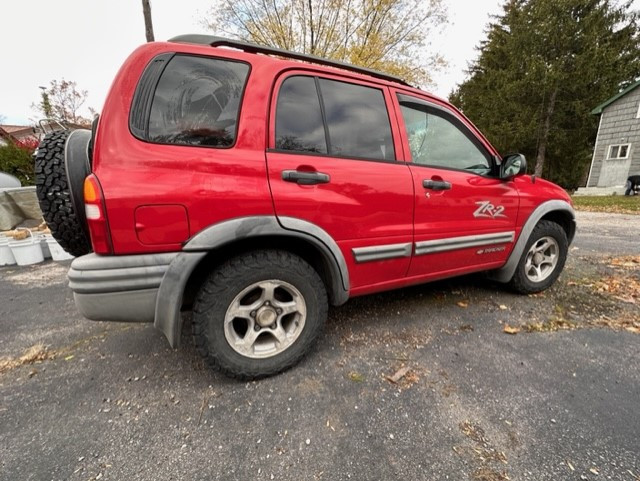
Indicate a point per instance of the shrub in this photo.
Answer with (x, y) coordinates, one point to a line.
(16, 159)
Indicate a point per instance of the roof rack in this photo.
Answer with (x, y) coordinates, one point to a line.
(214, 41)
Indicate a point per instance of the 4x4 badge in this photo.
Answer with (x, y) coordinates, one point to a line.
(487, 209)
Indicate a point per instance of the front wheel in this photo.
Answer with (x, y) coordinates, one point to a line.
(542, 260)
(258, 314)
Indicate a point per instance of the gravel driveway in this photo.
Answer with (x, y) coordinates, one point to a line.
(469, 401)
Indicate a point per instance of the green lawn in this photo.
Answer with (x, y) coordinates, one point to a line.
(619, 204)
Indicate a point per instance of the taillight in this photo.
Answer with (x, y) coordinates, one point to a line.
(96, 216)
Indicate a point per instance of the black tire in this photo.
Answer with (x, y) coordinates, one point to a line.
(59, 209)
(223, 286)
(520, 282)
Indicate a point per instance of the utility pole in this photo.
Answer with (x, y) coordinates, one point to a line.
(148, 24)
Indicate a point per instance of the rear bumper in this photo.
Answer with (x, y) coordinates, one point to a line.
(118, 288)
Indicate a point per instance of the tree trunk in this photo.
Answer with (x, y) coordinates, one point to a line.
(542, 145)
(148, 24)
(313, 40)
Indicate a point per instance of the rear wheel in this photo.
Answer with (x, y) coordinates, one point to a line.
(542, 260)
(59, 188)
(258, 314)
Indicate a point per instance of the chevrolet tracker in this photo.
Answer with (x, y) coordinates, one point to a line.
(256, 186)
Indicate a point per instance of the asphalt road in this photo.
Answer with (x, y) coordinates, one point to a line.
(115, 402)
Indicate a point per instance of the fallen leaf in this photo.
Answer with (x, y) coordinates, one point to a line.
(627, 299)
(68, 358)
(463, 304)
(511, 329)
(411, 378)
(503, 307)
(355, 376)
(400, 373)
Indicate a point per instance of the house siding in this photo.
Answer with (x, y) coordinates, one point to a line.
(618, 125)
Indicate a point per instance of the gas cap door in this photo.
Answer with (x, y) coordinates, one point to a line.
(162, 224)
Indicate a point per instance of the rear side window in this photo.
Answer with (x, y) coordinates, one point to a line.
(357, 120)
(299, 124)
(336, 118)
(197, 101)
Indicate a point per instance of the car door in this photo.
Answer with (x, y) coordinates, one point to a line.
(465, 216)
(331, 161)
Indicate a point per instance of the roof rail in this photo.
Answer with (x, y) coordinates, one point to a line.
(214, 41)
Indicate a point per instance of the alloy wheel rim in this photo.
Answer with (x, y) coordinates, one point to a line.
(265, 319)
(542, 259)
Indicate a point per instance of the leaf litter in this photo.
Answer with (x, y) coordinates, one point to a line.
(34, 354)
(619, 288)
(483, 453)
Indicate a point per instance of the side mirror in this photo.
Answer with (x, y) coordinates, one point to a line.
(513, 165)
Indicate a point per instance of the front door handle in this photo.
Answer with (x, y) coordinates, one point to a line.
(305, 178)
(436, 184)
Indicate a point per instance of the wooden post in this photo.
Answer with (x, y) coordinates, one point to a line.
(148, 24)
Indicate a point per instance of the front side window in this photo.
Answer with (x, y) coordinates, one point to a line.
(334, 118)
(197, 101)
(438, 139)
(618, 151)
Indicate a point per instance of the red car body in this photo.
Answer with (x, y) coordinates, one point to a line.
(158, 197)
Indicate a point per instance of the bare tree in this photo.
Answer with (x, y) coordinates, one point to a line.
(388, 35)
(63, 101)
(148, 24)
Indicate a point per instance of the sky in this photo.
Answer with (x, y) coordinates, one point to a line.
(87, 41)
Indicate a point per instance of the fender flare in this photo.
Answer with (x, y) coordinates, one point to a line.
(505, 273)
(170, 294)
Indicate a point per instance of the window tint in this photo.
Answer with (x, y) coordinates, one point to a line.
(357, 121)
(436, 139)
(299, 124)
(197, 102)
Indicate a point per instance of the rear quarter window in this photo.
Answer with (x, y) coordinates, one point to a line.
(197, 102)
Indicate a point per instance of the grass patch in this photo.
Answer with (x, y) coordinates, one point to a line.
(355, 376)
(617, 204)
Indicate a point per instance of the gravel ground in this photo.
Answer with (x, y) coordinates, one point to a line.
(608, 233)
(115, 402)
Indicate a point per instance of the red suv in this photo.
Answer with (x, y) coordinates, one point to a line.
(255, 186)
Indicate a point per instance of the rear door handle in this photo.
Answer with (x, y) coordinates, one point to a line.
(436, 184)
(305, 178)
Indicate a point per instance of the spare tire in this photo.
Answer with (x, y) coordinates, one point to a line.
(61, 165)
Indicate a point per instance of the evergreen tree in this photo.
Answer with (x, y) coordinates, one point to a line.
(544, 66)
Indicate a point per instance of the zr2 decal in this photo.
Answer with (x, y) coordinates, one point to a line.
(487, 209)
